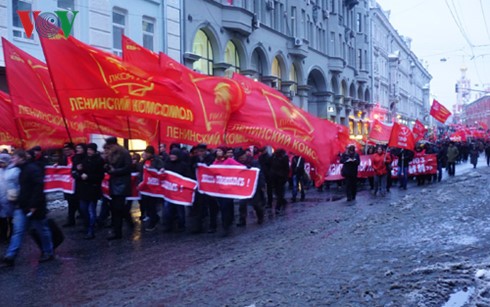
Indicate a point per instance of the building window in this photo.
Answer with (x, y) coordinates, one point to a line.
(359, 23)
(293, 77)
(359, 58)
(18, 28)
(232, 57)
(148, 33)
(202, 47)
(257, 63)
(276, 72)
(118, 26)
(294, 23)
(68, 5)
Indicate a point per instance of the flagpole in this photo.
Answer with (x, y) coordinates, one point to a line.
(57, 96)
(129, 129)
(159, 135)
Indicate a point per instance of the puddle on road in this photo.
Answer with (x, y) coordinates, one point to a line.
(458, 299)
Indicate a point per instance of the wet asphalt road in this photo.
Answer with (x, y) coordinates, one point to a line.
(411, 248)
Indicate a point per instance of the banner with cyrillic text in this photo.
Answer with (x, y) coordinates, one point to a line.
(168, 185)
(58, 179)
(228, 181)
(134, 187)
(424, 165)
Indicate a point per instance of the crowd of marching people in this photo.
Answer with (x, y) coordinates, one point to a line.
(23, 206)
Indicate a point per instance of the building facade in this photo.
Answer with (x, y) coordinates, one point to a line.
(340, 60)
(477, 112)
(315, 52)
(401, 89)
(156, 24)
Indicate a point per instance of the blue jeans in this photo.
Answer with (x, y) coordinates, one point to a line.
(403, 176)
(297, 181)
(89, 213)
(23, 223)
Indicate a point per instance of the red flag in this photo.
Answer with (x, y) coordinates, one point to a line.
(439, 112)
(101, 84)
(344, 140)
(483, 125)
(419, 131)
(9, 133)
(380, 132)
(33, 96)
(214, 98)
(269, 118)
(401, 137)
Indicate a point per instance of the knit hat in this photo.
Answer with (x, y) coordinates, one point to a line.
(240, 152)
(69, 145)
(92, 146)
(150, 149)
(37, 148)
(112, 140)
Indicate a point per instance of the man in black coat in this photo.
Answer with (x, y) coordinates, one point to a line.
(118, 166)
(30, 210)
(350, 160)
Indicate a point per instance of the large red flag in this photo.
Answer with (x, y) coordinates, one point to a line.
(380, 132)
(439, 112)
(9, 133)
(419, 131)
(401, 137)
(269, 118)
(33, 96)
(101, 84)
(212, 98)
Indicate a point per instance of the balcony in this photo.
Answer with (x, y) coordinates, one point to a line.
(336, 64)
(362, 76)
(237, 19)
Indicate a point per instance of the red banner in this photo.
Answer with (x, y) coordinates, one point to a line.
(418, 131)
(34, 101)
(58, 179)
(171, 186)
(134, 187)
(102, 84)
(229, 181)
(282, 125)
(439, 112)
(380, 132)
(401, 137)
(8, 127)
(423, 165)
(213, 98)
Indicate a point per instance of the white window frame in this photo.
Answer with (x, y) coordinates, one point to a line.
(18, 33)
(116, 51)
(147, 33)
